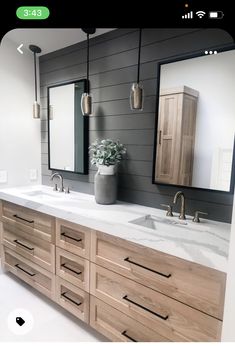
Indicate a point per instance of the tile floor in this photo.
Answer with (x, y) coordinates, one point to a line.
(51, 323)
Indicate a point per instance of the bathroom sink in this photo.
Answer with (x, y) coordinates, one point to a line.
(41, 194)
(151, 221)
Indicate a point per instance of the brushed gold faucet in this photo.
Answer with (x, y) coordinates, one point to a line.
(182, 209)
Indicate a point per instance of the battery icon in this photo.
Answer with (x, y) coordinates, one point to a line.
(216, 14)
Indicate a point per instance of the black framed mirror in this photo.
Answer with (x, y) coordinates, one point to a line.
(67, 128)
(195, 122)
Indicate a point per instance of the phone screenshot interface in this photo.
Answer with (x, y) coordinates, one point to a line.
(117, 166)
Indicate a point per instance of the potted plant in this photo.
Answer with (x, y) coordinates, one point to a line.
(105, 154)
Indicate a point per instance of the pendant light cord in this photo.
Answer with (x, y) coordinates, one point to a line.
(87, 66)
(35, 78)
(138, 71)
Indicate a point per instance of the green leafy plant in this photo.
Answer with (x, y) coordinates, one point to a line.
(106, 152)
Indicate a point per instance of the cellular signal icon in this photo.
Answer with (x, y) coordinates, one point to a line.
(188, 15)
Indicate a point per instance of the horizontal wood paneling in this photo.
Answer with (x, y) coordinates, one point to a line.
(113, 68)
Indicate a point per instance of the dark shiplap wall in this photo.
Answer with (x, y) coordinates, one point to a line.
(112, 70)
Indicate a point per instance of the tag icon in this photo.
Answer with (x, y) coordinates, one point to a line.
(20, 321)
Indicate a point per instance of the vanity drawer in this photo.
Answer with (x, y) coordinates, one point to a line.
(172, 319)
(72, 268)
(195, 285)
(34, 249)
(30, 221)
(73, 237)
(72, 299)
(117, 326)
(34, 275)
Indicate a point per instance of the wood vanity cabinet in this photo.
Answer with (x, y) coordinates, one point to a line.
(176, 136)
(72, 268)
(126, 291)
(117, 326)
(28, 241)
(181, 300)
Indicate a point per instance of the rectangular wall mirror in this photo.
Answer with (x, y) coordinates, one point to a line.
(195, 122)
(67, 128)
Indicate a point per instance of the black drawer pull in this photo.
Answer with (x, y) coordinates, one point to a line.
(151, 270)
(143, 307)
(72, 270)
(19, 243)
(71, 300)
(68, 236)
(21, 218)
(127, 336)
(23, 270)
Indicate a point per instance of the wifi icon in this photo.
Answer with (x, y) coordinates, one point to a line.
(200, 14)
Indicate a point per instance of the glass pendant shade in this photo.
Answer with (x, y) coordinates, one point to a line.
(137, 96)
(86, 99)
(36, 105)
(36, 110)
(137, 90)
(86, 104)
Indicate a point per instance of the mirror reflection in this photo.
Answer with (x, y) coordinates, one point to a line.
(67, 128)
(196, 122)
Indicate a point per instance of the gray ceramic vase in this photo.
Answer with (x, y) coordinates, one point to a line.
(105, 188)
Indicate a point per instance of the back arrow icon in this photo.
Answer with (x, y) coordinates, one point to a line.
(19, 48)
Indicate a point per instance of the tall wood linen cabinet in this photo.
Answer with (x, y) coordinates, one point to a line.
(176, 135)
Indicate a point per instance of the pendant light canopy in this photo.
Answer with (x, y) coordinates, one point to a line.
(137, 91)
(86, 100)
(36, 105)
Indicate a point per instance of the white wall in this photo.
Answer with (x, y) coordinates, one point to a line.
(62, 127)
(228, 331)
(213, 76)
(20, 148)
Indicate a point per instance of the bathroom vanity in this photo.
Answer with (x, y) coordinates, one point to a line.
(130, 279)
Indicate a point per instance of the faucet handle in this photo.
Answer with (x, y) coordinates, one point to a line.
(196, 215)
(169, 209)
(55, 188)
(66, 189)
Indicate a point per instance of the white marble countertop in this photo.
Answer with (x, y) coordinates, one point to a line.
(204, 243)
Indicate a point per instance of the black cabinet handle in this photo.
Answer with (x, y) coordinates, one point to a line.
(23, 270)
(71, 300)
(27, 247)
(127, 336)
(21, 218)
(160, 137)
(151, 270)
(146, 309)
(68, 236)
(72, 270)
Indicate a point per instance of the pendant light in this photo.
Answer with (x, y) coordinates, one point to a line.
(137, 91)
(86, 100)
(36, 105)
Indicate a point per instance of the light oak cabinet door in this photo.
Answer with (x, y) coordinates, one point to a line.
(34, 249)
(73, 299)
(197, 286)
(72, 268)
(73, 237)
(34, 275)
(172, 319)
(117, 326)
(176, 136)
(29, 221)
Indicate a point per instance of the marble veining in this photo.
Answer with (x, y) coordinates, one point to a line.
(205, 243)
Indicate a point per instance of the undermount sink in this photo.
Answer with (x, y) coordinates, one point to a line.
(41, 194)
(151, 221)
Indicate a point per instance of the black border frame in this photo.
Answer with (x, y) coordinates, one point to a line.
(85, 129)
(167, 61)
